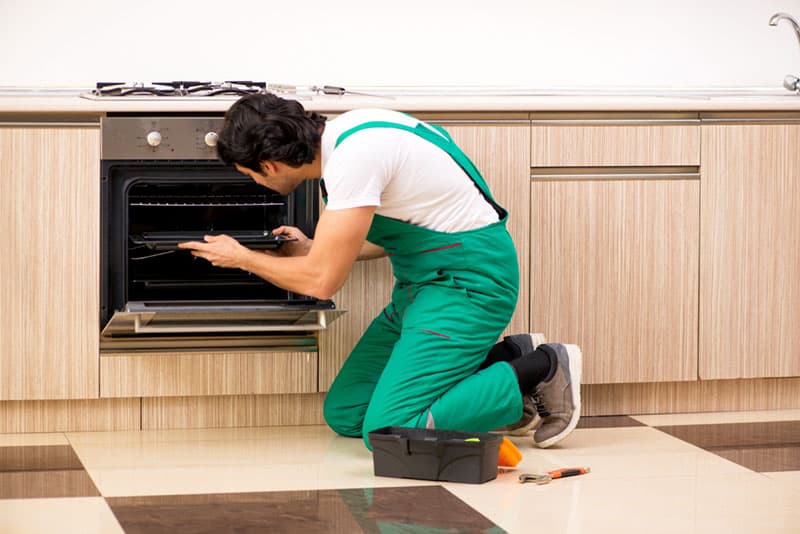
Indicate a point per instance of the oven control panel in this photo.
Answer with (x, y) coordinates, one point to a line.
(154, 138)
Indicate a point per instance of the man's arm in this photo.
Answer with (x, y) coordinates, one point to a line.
(338, 240)
(371, 251)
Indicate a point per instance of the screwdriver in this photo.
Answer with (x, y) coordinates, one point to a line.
(554, 474)
(568, 472)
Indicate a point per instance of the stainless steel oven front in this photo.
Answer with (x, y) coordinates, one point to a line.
(162, 184)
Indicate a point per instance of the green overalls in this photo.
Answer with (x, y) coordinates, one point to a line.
(454, 293)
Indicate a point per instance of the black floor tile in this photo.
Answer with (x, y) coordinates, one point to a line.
(33, 472)
(423, 509)
(763, 447)
(608, 421)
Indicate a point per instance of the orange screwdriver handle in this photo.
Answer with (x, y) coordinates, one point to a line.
(568, 472)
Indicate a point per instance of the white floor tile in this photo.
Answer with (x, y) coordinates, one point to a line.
(78, 515)
(744, 503)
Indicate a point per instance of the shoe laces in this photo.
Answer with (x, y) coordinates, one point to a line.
(541, 409)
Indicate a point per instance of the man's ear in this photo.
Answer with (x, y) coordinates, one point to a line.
(268, 168)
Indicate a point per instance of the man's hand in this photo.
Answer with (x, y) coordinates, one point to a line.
(220, 250)
(317, 268)
(299, 247)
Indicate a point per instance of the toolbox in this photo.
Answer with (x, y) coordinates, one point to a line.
(429, 454)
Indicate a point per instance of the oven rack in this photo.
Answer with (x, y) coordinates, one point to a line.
(205, 204)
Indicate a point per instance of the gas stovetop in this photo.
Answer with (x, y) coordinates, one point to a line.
(184, 90)
(194, 90)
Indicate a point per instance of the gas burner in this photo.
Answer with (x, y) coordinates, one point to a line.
(179, 88)
(133, 89)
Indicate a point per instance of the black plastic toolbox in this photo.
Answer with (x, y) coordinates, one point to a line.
(428, 454)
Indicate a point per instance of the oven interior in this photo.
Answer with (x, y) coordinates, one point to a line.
(148, 207)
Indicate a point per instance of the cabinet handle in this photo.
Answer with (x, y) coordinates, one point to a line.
(611, 122)
(615, 173)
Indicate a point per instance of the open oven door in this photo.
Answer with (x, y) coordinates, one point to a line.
(183, 324)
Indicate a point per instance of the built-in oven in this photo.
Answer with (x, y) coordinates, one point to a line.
(161, 185)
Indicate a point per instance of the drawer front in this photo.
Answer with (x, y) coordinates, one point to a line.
(158, 374)
(575, 143)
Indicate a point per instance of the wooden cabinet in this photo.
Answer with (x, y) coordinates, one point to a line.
(171, 374)
(614, 269)
(614, 245)
(500, 149)
(750, 250)
(49, 267)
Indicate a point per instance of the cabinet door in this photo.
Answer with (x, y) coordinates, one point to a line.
(501, 151)
(49, 274)
(750, 251)
(614, 269)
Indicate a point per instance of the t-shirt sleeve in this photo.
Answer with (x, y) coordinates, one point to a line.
(356, 174)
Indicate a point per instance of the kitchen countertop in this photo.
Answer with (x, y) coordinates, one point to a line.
(69, 101)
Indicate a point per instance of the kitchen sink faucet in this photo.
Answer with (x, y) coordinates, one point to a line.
(790, 81)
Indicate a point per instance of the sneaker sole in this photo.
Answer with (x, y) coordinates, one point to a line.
(575, 368)
(527, 429)
(537, 339)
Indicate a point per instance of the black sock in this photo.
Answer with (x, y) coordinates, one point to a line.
(534, 367)
(504, 351)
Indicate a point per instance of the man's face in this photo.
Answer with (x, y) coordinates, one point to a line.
(274, 175)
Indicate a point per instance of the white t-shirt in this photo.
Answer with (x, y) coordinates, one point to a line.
(402, 174)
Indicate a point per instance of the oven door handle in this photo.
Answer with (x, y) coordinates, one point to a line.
(144, 320)
(141, 326)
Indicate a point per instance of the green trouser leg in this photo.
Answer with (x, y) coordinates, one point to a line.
(349, 395)
(416, 366)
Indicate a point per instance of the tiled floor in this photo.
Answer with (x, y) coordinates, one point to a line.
(693, 473)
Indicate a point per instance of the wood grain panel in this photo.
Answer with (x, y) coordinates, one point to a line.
(501, 152)
(367, 291)
(49, 289)
(566, 145)
(614, 269)
(69, 415)
(232, 411)
(696, 396)
(749, 292)
(207, 373)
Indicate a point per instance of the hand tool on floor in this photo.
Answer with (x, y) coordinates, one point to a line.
(551, 475)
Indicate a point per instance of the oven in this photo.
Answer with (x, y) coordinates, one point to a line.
(162, 184)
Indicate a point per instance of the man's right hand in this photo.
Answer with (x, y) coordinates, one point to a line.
(299, 246)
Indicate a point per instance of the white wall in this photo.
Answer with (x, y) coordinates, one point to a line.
(535, 43)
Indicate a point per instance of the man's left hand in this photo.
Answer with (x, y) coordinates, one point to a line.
(220, 250)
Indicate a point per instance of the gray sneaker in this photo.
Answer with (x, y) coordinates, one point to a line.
(530, 419)
(528, 422)
(558, 401)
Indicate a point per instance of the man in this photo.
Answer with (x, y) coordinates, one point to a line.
(399, 187)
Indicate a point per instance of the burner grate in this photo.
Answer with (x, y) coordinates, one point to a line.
(179, 88)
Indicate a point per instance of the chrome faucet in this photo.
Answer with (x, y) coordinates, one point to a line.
(790, 82)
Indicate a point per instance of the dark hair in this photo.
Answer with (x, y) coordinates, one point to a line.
(269, 128)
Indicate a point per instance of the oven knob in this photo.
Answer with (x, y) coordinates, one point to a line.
(154, 138)
(211, 139)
